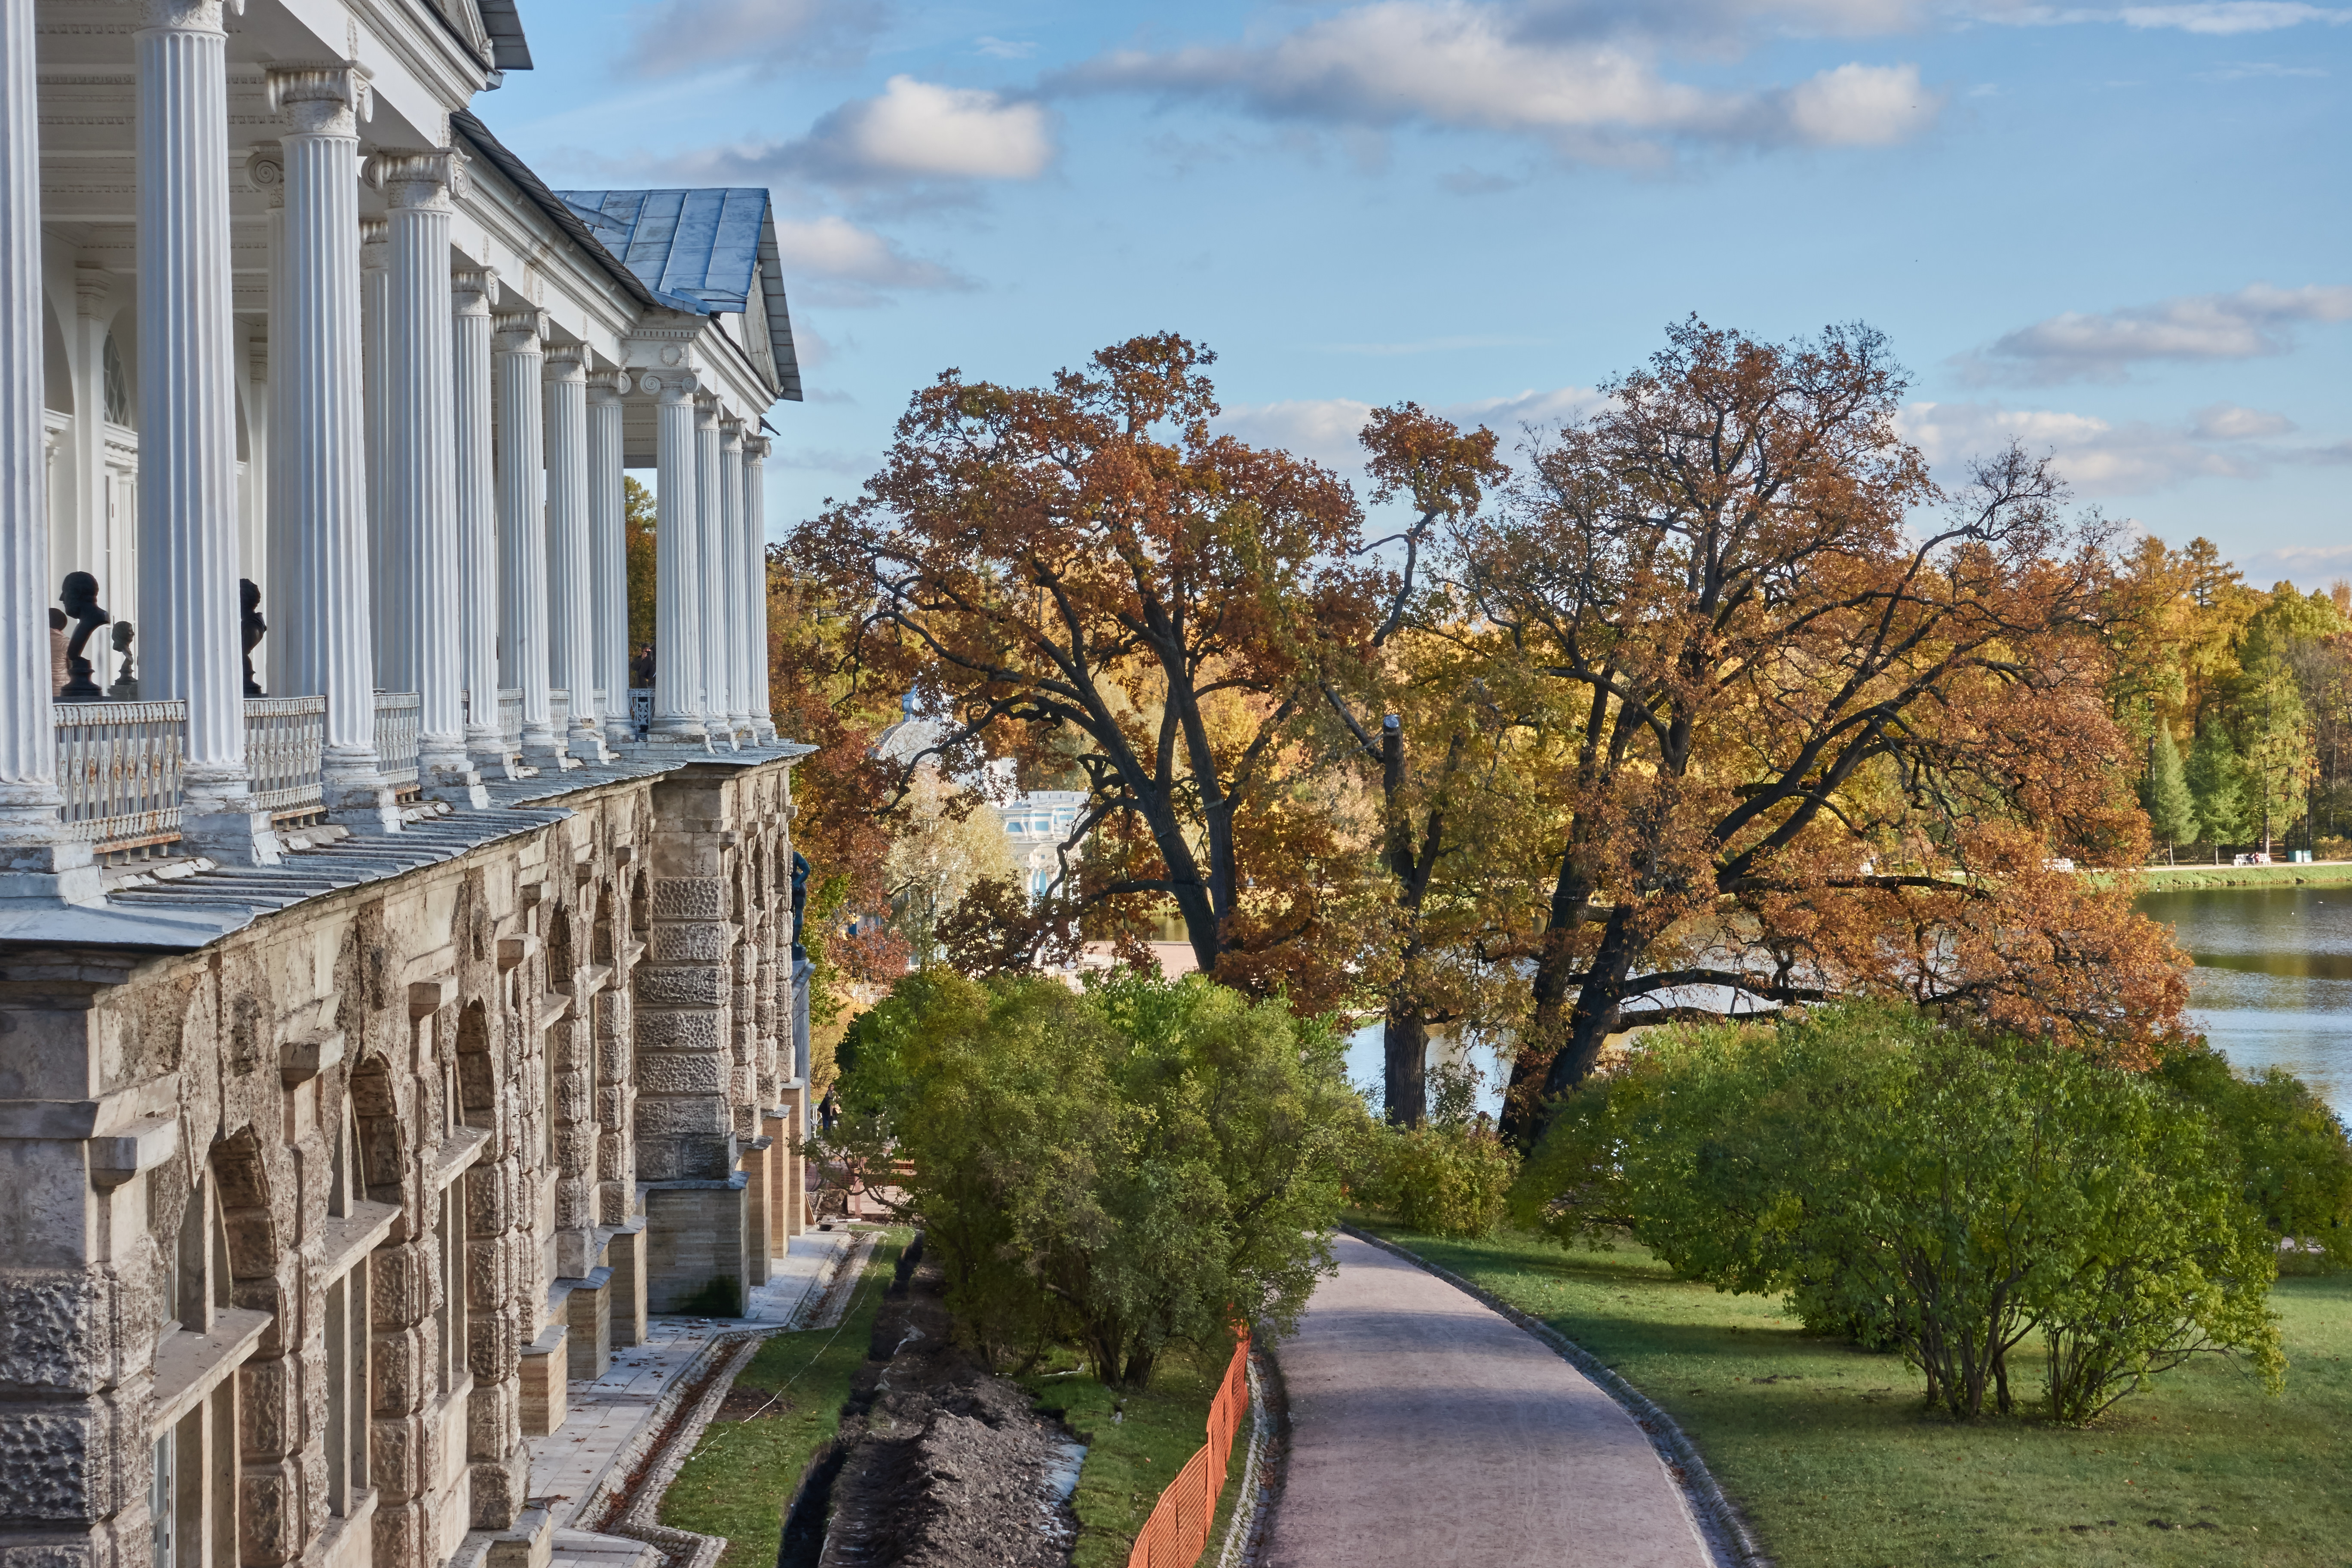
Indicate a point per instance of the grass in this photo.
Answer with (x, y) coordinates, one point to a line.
(1827, 1448)
(2319, 874)
(1130, 1459)
(741, 1475)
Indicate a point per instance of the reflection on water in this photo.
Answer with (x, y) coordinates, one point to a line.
(1368, 1068)
(2273, 985)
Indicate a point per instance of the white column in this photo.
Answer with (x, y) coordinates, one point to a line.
(609, 553)
(32, 849)
(711, 558)
(568, 607)
(420, 466)
(187, 444)
(375, 351)
(678, 569)
(734, 648)
(272, 566)
(755, 576)
(324, 615)
(521, 360)
(477, 599)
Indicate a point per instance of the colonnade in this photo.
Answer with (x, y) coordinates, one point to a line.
(411, 551)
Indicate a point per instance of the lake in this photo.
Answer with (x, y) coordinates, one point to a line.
(2273, 985)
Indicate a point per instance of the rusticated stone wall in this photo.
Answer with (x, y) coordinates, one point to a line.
(302, 1229)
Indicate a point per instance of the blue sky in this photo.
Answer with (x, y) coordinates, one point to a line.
(2120, 233)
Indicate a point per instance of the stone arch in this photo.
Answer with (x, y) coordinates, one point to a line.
(248, 1225)
(57, 368)
(478, 1083)
(380, 1140)
(603, 939)
(562, 965)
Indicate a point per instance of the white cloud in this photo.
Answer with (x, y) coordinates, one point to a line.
(1003, 49)
(2228, 422)
(688, 34)
(1862, 106)
(2097, 457)
(1466, 65)
(1326, 428)
(2252, 322)
(919, 129)
(916, 127)
(2222, 19)
(849, 265)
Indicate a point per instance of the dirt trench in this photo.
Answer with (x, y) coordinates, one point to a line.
(938, 1465)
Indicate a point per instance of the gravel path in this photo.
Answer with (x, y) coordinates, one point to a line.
(1427, 1431)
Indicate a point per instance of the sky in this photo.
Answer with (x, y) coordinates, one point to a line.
(2121, 234)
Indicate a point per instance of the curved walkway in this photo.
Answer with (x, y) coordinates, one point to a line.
(1429, 1431)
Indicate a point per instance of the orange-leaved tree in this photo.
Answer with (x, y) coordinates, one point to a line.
(1834, 730)
(1093, 583)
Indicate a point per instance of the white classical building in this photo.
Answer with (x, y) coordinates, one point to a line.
(386, 1042)
(283, 311)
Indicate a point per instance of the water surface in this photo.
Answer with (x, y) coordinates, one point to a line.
(2273, 985)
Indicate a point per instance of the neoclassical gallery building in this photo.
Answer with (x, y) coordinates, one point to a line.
(395, 1008)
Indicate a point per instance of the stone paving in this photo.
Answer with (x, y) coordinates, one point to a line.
(603, 1416)
(1427, 1429)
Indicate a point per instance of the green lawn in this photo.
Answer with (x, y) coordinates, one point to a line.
(1826, 1449)
(2319, 874)
(740, 1477)
(1131, 1461)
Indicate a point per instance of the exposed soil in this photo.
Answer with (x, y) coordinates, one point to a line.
(938, 1465)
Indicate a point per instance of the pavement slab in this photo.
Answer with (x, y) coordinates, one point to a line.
(1427, 1430)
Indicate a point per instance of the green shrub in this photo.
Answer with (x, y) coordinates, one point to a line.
(1439, 1180)
(2290, 1146)
(1916, 1186)
(1130, 1165)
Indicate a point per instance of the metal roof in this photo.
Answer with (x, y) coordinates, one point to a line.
(705, 246)
(510, 51)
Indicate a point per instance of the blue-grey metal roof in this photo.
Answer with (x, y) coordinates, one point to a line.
(707, 246)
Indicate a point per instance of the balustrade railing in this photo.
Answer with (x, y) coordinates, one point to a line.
(285, 743)
(118, 769)
(510, 714)
(398, 718)
(558, 714)
(641, 708)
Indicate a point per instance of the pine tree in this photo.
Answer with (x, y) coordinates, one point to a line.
(2217, 783)
(2171, 809)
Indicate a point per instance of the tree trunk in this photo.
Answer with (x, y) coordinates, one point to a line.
(1405, 1062)
(1555, 979)
(1598, 1007)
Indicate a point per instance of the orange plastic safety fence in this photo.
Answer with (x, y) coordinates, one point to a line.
(1178, 1526)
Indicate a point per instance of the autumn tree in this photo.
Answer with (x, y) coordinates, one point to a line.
(1090, 582)
(1446, 753)
(638, 519)
(1836, 731)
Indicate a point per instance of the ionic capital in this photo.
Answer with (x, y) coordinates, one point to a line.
(672, 386)
(730, 435)
(756, 448)
(424, 179)
(605, 386)
(567, 362)
(470, 289)
(92, 288)
(520, 330)
(265, 171)
(325, 100)
(187, 16)
(375, 234)
(706, 412)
